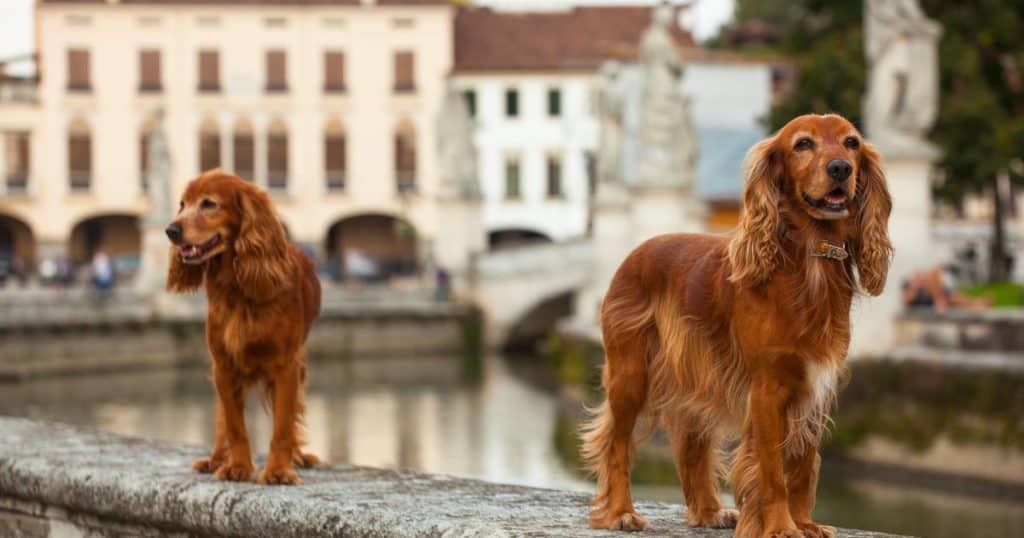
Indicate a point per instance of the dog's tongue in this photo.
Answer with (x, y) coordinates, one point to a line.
(835, 198)
(190, 250)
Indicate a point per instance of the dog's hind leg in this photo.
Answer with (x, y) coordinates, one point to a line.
(697, 464)
(608, 437)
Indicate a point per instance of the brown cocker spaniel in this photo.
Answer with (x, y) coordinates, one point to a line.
(263, 298)
(714, 337)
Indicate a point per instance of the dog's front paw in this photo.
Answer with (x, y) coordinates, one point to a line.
(235, 471)
(306, 460)
(724, 518)
(625, 521)
(813, 530)
(279, 476)
(207, 465)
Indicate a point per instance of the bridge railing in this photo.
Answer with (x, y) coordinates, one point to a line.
(541, 257)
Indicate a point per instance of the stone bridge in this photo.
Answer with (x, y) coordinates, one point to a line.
(524, 290)
(57, 480)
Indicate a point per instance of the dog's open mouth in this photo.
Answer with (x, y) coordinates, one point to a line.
(835, 201)
(196, 253)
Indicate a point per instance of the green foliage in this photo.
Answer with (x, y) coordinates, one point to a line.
(980, 125)
(1006, 294)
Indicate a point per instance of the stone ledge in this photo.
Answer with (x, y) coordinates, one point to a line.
(66, 477)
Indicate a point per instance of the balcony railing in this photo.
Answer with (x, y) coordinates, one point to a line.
(18, 91)
(80, 180)
(277, 179)
(17, 182)
(336, 180)
(406, 180)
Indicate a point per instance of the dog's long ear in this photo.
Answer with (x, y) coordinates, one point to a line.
(262, 262)
(872, 250)
(756, 249)
(181, 277)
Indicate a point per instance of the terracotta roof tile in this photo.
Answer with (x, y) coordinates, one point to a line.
(580, 38)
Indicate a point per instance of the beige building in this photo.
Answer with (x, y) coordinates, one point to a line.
(268, 89)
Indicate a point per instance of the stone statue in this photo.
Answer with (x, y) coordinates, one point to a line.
(158, 175)
(610, 118)
(903, 83)
(667, 139)
(456, 152)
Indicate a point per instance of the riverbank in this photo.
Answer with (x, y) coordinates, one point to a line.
(59, 479)
(81, 332)
(911, 418)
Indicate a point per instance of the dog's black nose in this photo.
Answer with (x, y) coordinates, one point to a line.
(839, 169)
(174, 232)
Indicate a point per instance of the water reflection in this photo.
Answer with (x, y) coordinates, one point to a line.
(414, 413)
(420, 413)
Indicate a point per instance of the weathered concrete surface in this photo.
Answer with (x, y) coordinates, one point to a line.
(57, 479)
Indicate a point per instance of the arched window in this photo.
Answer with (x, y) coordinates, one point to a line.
(79, 155)
(244, 148)
(405, 156)
(277, 155)
(144, 132)
(209, 145)
(335, 155)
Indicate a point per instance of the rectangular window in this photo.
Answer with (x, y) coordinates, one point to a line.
(277, 78)
(405, 74)
(470, 97)
(277, 161)
(149, 71)
(554, 177)
(554, 102)
(512, 103)
(16, 149)
(80, 160)
(405, 161)
(334, 71)
(209, 71)
(209, 151)
(78, 70)
(334, 160)
(512, 179)
(245, 153)
(143, 159)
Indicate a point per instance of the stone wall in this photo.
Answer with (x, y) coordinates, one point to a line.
(57, 480)
(78, 334)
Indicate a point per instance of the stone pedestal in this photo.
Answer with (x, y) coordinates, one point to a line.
(153, 261)
(613, 239)
(460, 235)
(660, 210)
(908, 174)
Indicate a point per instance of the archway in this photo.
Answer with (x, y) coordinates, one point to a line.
(17, 248)
(514, 237)
(117, 235)
(532, 328)
(371, 248)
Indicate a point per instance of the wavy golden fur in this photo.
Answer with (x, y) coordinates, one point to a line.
(745, 337)
(263, 298)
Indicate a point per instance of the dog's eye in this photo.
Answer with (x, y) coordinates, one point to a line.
(851, 142)
(208, 204)
(804, 143)
(181, 205)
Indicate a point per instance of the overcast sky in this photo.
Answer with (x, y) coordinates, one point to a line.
(16, 18)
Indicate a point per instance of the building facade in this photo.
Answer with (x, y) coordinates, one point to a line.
(268, 90)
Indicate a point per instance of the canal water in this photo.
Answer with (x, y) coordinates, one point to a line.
(422, 413)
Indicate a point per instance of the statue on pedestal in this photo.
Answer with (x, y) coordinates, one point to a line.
(153, 258)
(667, 139)
(456, 152)
(610, 119)
(903, 84)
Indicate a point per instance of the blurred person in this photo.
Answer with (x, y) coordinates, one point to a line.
(935, 287)
(443, 284)
(102, 271)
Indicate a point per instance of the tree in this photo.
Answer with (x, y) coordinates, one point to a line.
(980, 125)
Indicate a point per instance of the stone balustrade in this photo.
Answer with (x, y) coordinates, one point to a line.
(57, 480)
